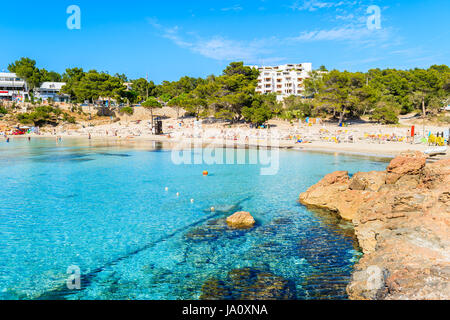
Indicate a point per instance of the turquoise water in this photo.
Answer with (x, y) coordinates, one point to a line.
(104, 208)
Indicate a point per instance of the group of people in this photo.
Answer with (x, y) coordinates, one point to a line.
(7, 139)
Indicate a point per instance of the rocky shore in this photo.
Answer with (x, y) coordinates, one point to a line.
(402, 222)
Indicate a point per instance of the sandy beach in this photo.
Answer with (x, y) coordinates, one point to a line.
(359, 138)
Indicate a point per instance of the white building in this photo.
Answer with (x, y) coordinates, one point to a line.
(12, 88)
(284, 80)
(129, 85)
(51, 90)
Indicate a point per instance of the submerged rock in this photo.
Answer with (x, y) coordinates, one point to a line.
(241, 220)
(212, 231)
(214, 289)
(402, 226)
(249, 284)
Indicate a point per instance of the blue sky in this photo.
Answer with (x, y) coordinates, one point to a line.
(170, 39)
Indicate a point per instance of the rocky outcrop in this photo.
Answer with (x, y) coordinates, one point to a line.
(405, 165)
(402, 222)
(338, 193)
(241, 220)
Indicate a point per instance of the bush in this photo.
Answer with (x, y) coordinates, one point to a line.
(40, 115)
(3, 110)
(127, 110)
(68, 118)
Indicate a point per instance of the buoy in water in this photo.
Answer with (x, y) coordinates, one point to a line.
(205, 173)
(192, 200)
(167, 189)
(178, 194)
(213, 209)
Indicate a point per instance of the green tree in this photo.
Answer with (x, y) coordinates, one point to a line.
(26, 69)
(127, 110)
(143, 88)
(112, 88)
(50, 76)
(180, 102)
(261, 109)
(150, 104)
(386, 111)
(72, 78)
(340, 92)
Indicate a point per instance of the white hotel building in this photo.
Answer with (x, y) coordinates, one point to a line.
(51, 90)
(284, 80)
(12, 88)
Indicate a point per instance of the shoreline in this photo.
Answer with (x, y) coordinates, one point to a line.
(383, 150)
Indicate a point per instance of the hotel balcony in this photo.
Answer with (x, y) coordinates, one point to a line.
(12, 84)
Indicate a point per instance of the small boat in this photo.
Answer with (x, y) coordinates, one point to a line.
(436, 151)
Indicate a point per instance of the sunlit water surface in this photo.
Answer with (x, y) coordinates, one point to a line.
(103, 207)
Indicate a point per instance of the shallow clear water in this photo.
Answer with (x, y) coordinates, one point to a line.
(104, 208)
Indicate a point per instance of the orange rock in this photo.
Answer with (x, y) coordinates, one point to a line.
(241, 220)
(407, 164)
(402, 222)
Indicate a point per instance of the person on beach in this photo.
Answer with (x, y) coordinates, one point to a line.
(89, 137)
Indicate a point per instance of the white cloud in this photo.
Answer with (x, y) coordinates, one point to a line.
(313, 5)
(336, 34)
(236, 7)
(216, 47)
(345, 17)
(221, 48)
